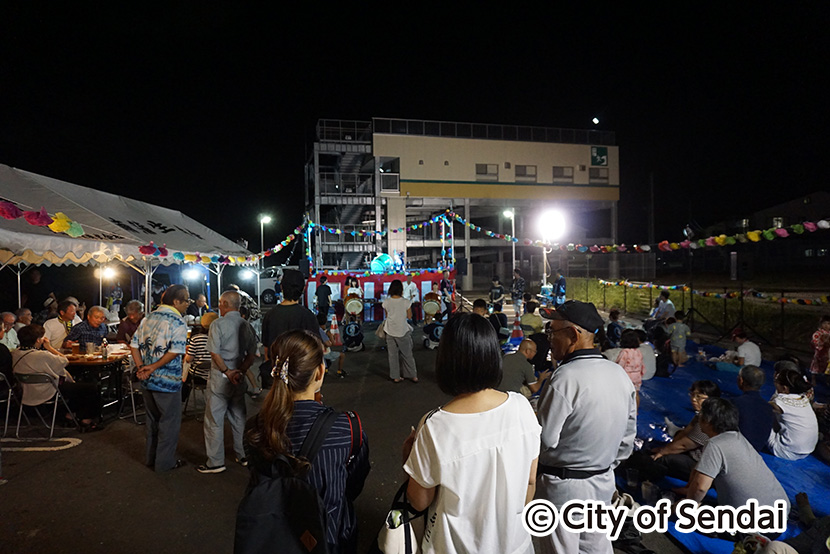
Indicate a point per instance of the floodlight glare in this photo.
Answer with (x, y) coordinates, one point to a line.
(508, 214)
(247, 274)
(265, 219)
(192, 274)
(552, 225)
(596, 121)
(109, 273)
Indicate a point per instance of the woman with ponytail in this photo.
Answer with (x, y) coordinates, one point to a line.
(798, 435)
(283, 422)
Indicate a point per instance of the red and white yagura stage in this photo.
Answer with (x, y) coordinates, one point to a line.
(374, 286)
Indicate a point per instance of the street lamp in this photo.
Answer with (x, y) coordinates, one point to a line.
(511, 214)
(263, 219)
(551, 226)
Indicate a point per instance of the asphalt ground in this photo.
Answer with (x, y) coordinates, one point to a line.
(97, 495)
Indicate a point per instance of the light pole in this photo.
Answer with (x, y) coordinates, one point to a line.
(263, 219)
(510, 213)
(551, 226)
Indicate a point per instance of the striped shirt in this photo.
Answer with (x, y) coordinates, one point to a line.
(337, 483)
(162, 331)
(197, 347)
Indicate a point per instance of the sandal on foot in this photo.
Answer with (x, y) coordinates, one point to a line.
(397, 380)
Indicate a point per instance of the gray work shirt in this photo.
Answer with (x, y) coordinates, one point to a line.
(588, 414)
(223, 339)
(739, 472)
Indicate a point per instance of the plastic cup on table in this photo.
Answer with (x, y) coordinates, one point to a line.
(90, 349)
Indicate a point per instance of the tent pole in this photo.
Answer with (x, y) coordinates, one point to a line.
(100, 285)
(19, 292)
(148, 279)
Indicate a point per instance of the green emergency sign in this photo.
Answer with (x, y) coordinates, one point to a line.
(599, 155)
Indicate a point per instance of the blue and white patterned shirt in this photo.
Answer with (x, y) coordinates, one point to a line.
(84, 332)
(162, 331)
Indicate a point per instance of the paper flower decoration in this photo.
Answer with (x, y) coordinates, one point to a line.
(41, 218)
(685, 243)
(163, 250)
(75, 230)
(622, 248)
(810, 226)
(720, 240)
(582, 248)
(769, 234)
(798, 228)
(694, 245)
(9, 210)
(60, 223)
(190, 257)
(178, 256)
(754, 236)
(823, 224)
(782, 233)
(205, 259)
(664, 246)
(148, 249)
(741, 237)
(711, 241)
(646, 248)
(571, 247)
(730, 240)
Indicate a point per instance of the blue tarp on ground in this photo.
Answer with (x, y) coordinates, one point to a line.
(668, 397)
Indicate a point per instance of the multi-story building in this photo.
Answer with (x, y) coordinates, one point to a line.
(393, 173)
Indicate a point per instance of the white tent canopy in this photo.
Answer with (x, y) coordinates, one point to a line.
(114, 227)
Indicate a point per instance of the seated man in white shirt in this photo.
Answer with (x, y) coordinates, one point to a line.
(748, 354)
(410, 292)
(8, 335)
(58, 327)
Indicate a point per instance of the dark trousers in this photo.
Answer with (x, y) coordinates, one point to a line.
(164, 419)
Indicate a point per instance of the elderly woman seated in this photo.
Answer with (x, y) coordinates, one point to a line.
(681, 454)
(36, 355)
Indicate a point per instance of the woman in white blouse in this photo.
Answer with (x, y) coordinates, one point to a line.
(397, 311)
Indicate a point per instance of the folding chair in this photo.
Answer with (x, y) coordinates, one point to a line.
(39, 378)
(198, 377)
(132, 389)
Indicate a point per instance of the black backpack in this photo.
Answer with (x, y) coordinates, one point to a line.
(282, 512)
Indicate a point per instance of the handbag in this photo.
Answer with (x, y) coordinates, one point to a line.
(380, 332)
(403, 529)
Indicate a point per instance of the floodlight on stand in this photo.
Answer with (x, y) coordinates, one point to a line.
(109, 273)
(508, 214)
(688, 233)
(192, 274)
(247, 275)
(595, 121)
(551, 226)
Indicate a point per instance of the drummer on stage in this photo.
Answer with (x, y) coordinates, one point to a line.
(432, 304)
(447, 289)
(410, 292)
(353, 289)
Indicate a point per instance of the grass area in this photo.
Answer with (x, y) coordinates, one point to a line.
(785, 325)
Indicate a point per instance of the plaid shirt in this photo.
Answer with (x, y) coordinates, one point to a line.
(84, 333)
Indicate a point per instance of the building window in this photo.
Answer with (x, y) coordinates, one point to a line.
(822, 252)
(745, 224)
(778, 222)
(808, 253)
(563, 174)
(526, 173)
(598, 175)
(487, 172)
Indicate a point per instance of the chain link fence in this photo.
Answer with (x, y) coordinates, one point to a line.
(785, 318)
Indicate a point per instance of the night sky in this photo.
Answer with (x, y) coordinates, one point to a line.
(211, 111)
